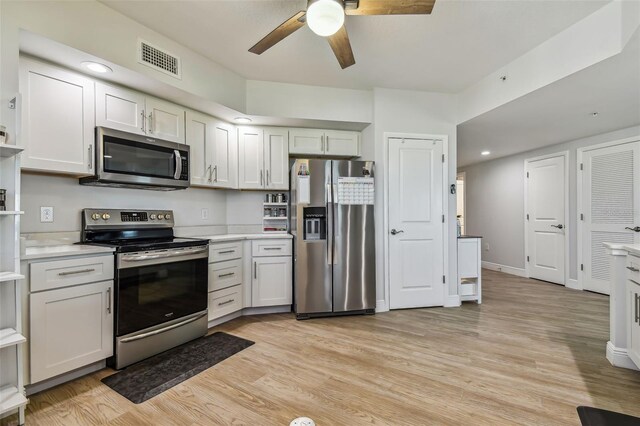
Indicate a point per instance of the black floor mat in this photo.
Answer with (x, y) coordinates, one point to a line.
(155, 375)
(590, 416)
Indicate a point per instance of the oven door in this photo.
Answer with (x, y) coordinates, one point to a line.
(159, 286)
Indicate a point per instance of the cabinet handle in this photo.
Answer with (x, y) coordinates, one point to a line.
(226, 252)
(79, 271)
(272, 248)
(109, 300)
(267, 177)
(322, 143)
(151, 122)
(90, 157)
(255, 270)
(226, 302)
(143, 128)
(632, 269)
(327, 138)
(226, 275)
(636, 314)
(215, 171)
(261, 178)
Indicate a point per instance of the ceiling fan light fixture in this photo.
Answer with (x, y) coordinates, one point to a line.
(325, 17)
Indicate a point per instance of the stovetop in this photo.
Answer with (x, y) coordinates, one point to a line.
(128, 246)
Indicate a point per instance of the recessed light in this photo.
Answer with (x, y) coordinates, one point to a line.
(242, 120)
(96, 67)
(594, 114)
(485, 153)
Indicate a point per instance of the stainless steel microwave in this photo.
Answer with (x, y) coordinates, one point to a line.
(137, 161)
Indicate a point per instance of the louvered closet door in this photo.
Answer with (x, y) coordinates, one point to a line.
(611, 185)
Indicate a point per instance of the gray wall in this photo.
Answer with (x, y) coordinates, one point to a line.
(495, 200)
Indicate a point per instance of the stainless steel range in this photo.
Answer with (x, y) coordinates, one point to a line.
(160, 281)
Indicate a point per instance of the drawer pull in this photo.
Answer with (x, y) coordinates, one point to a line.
(226, 302)
(632, 269)
(80, 271)
(226, 275)
(636, 316)
(109, 300)
(272, 248)
(226, 252)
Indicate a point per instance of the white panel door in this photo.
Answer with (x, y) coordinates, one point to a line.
(546, 225)
(416, 242)
(70, 328)
(276, 158)
(200, 141)
(165, 120)
(306, 141)
(250, 158)
(225, 155)
(58, 119)
(611, 204)
(342, 144)
(120, 109)
(271, 284)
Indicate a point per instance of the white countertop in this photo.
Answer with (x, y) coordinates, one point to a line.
(630, 248)
(44, 252)
(237, 237)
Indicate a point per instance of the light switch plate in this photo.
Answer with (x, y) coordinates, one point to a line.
(46, 214)
(205, 214)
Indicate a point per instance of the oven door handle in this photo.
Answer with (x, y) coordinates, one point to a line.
(162, 330)
(178, 164)
(169, 254)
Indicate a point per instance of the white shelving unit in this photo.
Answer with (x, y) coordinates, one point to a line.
(12, 395)
(470, 269)
(275, 224)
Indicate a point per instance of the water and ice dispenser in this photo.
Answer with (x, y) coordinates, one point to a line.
(315, 223)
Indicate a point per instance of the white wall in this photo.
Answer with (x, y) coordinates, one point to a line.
(68, 198)
(495, 201)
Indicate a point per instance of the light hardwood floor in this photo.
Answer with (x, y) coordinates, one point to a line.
(529, 354)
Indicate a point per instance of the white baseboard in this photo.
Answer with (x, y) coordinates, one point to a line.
(618, 357)
(381, 306)
(504, 268)
(573, 284)
(452, 301)
(66, 377)
(267, 310)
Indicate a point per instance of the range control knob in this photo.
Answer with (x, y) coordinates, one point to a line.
(153, 216)
(167, 216)
(160, 216)
(106, 216)
(95, 216)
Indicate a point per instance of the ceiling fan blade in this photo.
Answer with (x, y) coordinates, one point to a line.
(389, 7)
(287, 28)
(341, 47)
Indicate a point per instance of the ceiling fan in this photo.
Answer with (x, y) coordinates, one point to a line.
(326, 19)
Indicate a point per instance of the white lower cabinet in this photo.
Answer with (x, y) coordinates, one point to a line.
(225, 279)
(271, 281)
(225, 302)
(633, 312)
(70, 328)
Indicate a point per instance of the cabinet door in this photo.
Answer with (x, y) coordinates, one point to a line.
(225, 155)
(200, 141)
(271, 283)
(119, 109)
(342, 144)
(165, 120)
(276, 159)
(58, 119)
(306, 141)
(251, 158)
(70, 328)
(633, 323)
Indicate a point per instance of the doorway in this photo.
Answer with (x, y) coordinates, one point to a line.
(547, 217)
(461, 202)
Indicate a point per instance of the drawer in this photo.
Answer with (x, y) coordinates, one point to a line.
(225, 251)
(68, 272)
(633, 268)
(224, 302)
(279, 247)
(225, 274)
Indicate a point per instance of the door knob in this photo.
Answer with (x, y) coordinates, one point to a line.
(636, 229)
(394, 231)
(558, 226)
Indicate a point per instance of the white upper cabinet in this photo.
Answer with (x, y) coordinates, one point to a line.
(225, 155)
(130, 111)
(306, 141)
(333, 143)
(120, 109)
(165, 120)
(251, 158)
(341, 144)
(276, 159)
(200, 142)
(58, 119)
(263, 158)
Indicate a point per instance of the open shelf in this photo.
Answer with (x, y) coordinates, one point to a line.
(10, 276)
(274, 218)
(10, 337)
(276, 204)
(9, 150)
(10, 213)
(10, 399)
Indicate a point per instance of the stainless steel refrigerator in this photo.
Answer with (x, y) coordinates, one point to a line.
(332, 222)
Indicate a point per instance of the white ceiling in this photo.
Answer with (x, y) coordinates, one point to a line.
(559, 112)
(457, 45)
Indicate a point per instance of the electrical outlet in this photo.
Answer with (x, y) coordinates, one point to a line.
(486, 247)
(205, 214)
(46, 214)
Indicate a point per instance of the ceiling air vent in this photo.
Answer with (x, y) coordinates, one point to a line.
(159, 59)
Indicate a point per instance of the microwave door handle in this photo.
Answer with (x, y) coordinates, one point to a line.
(178, 159)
